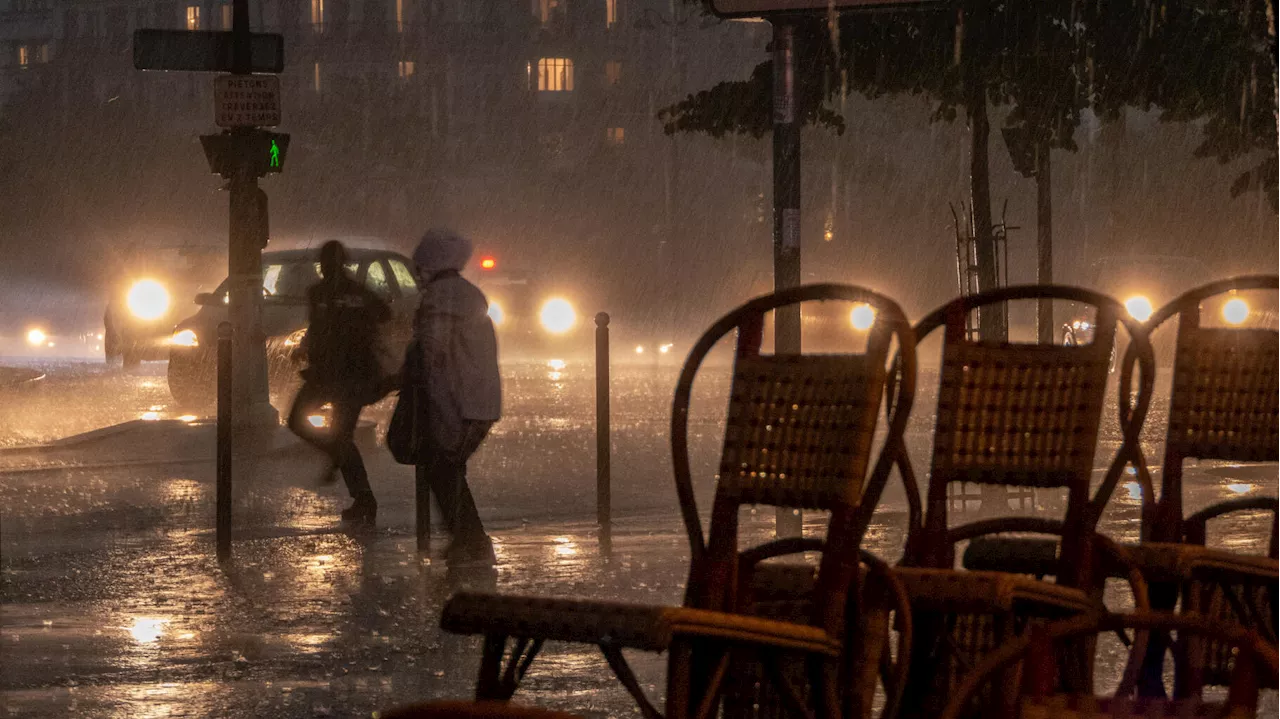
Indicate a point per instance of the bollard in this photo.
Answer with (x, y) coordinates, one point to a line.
(422, 507)
(224, 442)
(421, 489)
(603, 499)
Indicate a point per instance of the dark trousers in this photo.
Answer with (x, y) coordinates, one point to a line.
(446, 474)
(338, 439)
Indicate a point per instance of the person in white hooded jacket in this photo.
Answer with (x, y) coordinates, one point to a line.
(463, 389)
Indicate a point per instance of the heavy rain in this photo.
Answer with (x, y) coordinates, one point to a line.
(618, 176)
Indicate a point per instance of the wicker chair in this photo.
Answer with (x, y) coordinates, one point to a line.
(1223, 406)
(1254, 659)
(1020, 415)
(798, 435)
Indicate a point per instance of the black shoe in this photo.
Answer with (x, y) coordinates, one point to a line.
(363, 509)
(473, 553)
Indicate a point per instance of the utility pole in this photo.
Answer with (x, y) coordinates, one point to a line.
(786, 211)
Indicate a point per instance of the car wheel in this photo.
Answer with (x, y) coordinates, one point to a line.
(192, 380)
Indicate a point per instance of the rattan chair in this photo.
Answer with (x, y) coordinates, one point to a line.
(1223, 405)
(1037, 697)
(1020, 415)
(798, 434)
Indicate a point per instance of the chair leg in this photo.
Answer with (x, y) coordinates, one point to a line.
(499, 683)
(622, 670)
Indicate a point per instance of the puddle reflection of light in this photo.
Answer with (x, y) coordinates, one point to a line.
(556, 364)
(146, 630)
(187, 418)
(150, 416)
(565, 546)
(554, 376)
(1135, 491)
(1240, 487)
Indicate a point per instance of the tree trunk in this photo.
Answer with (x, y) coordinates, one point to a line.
(991, 320)
(1044, 241)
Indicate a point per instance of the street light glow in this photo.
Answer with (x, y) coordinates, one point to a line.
(1139, 308)
(1236, 311)
(862, 316)
(36, 337)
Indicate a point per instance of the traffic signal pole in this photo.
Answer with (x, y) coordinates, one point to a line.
(786, 211)
(251, 402)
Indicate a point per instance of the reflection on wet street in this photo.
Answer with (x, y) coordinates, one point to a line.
(113, 605)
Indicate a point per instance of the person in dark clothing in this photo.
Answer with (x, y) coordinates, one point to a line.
(342, 370)
(463, 390)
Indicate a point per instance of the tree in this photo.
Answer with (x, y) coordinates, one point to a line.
(1046, 62)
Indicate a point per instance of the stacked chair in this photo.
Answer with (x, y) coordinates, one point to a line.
(748, 641)
(1021, 415)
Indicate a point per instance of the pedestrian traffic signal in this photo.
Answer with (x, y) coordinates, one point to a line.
(258, 151)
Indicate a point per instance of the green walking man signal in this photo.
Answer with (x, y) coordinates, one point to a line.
(263, 151)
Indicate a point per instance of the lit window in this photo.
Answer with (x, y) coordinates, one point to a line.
(317, 15)
(405, 68)
(555, 74)
(226, 17)
(42, 53)
(612, 72)
(315, 77)
(610, 13)
(375, 278)
(615, 135)
(193, 17)
(400, 17)
(24, 55)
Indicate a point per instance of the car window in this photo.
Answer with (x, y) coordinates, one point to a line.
(376, 279)
(408, 283)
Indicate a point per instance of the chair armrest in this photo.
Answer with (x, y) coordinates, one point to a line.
(618, 624)
(1195, 527)
(779, 548)
(685, 623)
(1034, 525)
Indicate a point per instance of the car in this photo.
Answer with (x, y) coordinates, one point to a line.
(286, 276)
(142, 302)
(533, 320)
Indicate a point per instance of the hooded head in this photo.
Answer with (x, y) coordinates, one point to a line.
(441, 250)
(332, 256)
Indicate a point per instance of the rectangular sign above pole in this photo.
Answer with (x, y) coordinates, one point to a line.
(201, 51)
(246, 100)
(762, 8)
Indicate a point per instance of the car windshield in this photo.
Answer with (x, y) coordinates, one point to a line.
(290, 280)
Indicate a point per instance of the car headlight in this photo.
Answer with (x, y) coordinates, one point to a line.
(1235, 311)
(184, 338)
(1081, 325)
(147, 300)
(36, 337)
(496, 315)
(1139, 308)
(557, 316)
(862, 316)
(295, 338)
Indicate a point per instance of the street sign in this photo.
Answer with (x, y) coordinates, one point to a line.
(202, 51)
(246, 100)
(761, 8)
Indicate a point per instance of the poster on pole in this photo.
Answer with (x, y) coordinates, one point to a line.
(764, 8)
(246, 100)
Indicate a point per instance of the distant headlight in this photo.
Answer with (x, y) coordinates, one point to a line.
(496, 314)
(1236, 311)
(1139, 308)
(557, 316)
(862, 316)
(147, 300)
(295, 338)
(184, 338)
(36, 337)
(1081, 325)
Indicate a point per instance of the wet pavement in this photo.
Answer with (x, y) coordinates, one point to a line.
(112, 604)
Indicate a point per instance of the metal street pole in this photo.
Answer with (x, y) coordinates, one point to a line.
(786, 210)
(252, 406)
